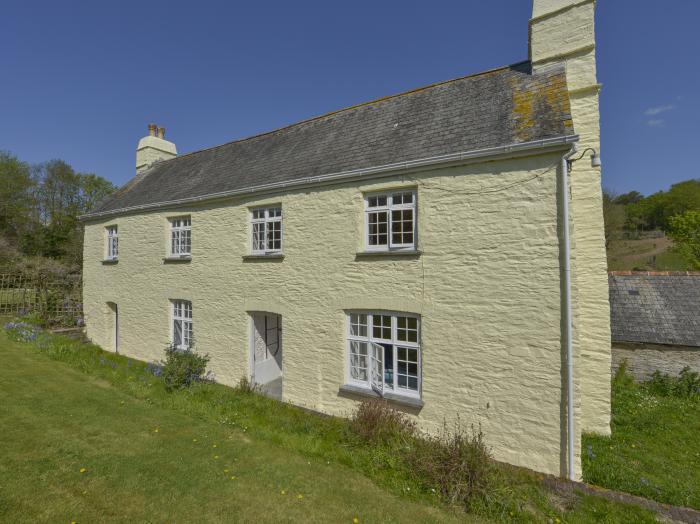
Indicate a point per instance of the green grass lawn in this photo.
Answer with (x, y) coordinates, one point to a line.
(654, 450)
(209, 454)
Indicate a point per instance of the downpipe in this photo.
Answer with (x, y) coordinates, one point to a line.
(568, 324)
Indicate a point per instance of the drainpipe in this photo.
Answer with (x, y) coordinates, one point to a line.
(564, 185)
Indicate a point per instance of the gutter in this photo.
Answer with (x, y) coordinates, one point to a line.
(378, 171)
(568, 324)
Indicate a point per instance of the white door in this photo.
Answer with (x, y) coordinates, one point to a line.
(266, 348)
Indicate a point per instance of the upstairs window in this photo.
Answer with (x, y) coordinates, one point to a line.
(266, 230)
(181, 322)
(390, 221)
(384, 352)
(112, 243)
(180, 236)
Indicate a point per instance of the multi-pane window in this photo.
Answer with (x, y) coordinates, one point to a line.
(266, 229)
(112, 243)
(390, 221)
(182, 334)
(384, 352)
(180, 236)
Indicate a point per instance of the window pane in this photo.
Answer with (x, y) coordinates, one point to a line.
(177, 332)
(358, 360)
(376, 201)
(186, 241)
(378, 225)
(402, 226)
(358, 325)
(381, 326)
(407, 329)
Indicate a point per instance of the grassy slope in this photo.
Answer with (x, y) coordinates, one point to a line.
(625, 255)
(57, 420)
(105, 418)
(654, 450)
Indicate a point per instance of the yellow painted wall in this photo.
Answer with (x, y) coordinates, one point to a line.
(563, 31)
(487, 286)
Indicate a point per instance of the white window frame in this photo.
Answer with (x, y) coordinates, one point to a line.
(181, 313)
(389, 208)
(112, 242)
(180, 229)
(382, 389)
(268, 216)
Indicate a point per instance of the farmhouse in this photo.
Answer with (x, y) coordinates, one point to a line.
(441, 248)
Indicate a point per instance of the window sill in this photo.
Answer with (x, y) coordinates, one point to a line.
(176, 259)
(408, 253)
(110, 261)
(271, 256)
(391, 397)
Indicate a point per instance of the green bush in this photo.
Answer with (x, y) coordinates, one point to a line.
(456, 463)
(183, 367)
(686, 384)
(374, 421)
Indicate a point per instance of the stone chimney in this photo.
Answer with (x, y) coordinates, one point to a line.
(563, 32)
(153, 147)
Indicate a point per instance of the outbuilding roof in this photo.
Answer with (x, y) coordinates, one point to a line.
(655, 308)
(506, 106)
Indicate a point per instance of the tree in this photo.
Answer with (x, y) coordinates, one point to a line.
(685, 232)
(629, 198)
(613, 216)
(16, 200)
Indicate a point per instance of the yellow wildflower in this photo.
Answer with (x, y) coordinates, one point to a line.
(283, 492)
(300, 496)
(355, 520)
(214, 446)
(226, 470)
(233, 478)
(83, 470)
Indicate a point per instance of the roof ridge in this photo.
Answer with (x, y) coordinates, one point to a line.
(361, 104)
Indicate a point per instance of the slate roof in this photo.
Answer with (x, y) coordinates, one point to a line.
(505, 106)
(655, 308)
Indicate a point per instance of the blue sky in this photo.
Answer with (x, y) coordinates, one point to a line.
(81, 80)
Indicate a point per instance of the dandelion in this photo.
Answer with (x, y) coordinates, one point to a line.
(216, 456)
(355, 520)
(214, 446)
(233, 478)
(300, 496)
(156, 430)
(83, 470)
(194, 440)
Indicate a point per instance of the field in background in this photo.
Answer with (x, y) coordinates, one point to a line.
(654, 253)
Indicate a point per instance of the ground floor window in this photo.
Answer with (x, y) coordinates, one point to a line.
(181, 322)
(384, 352)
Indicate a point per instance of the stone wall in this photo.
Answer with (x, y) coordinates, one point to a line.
(644, 359)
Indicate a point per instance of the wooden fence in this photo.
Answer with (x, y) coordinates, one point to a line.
(56, 299)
